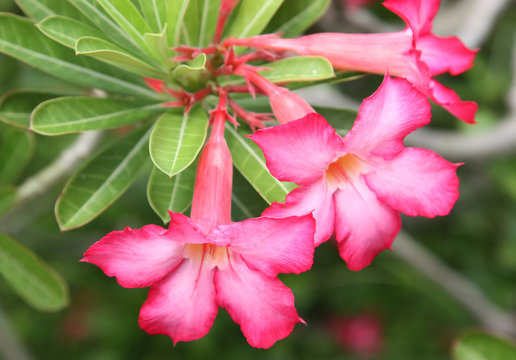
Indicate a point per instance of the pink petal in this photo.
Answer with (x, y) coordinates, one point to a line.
(418, 14)
(416, 182)
(138, 258)
(184, 230)
(299, 151)
(448, 99)
(272, 245)
(181, 306)
(447, 54)
(316, 198)
(261, 305)
(364, 226)
(386, 117)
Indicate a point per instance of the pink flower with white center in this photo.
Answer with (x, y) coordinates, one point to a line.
(414, 53)
(206, 261)
(355, 186)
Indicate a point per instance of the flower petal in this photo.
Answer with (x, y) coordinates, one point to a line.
(418, 14)
(184, 230)
(416, 182)
(273, 245)
(263, 306)
(138, 258)
(448, 99)
(386, 117)
(181, 306)
(364, 226)
(317, 199)
(445, 54)
(301, 150)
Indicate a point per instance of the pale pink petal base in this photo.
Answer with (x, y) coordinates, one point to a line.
(181, 306)
(262, 305)
(364, 226)
(317, 199)
(272, 246)
(416, 182)
(300, 150)
(137, 258)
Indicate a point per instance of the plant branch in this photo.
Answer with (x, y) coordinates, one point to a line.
(461, 288)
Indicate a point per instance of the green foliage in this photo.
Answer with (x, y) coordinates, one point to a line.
(479, 346)
(16, 148)
(105, 177)
(34, 281)
(16, 106)
(74, 114)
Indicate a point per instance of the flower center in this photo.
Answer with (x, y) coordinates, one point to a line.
(344, 170)
(210, 255)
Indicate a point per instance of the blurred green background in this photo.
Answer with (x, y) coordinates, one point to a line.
(399, 312)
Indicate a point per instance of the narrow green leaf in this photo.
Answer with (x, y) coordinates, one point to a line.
(155, 12)
(295, 16)
(40, 9)
(16, 148)
(114, 55)
(158, 47)
(246, 202)
(299, 68)
(98, 16)
(175, 17)
(33, 280)
(20, 39)
(102, 180)
(479, 346)
(127, 16)
(177, 139)
(73, 114)
(7, 198)
(249, 160)
(251, 17)
(171, 194)
(199, 22)
(67, 31)
(192, 76)
(17, 105)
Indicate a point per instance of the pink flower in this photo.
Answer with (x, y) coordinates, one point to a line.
(206, 261)
(362, 334)
(414, 53)
(356, 185)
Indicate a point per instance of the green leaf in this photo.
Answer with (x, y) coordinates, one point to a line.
(7, 198)
(174, 194)
(251, 17)
(175, 19)
(33, 280)
(295, 16)
(114, 55)
(299, 68)
(158, 47)
(192, 76)
(155, 12)
(102, 180)
(20, 39)
(40, 9)
(73, 114)
(127, 16)
(246, 202)
(249, 160)
(177, 139)
(67, 31)
(16, 148)
(199, 22)
(99, 17)
(17, 105)
(479, 346)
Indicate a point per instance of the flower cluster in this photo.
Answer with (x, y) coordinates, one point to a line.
(350, 187)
